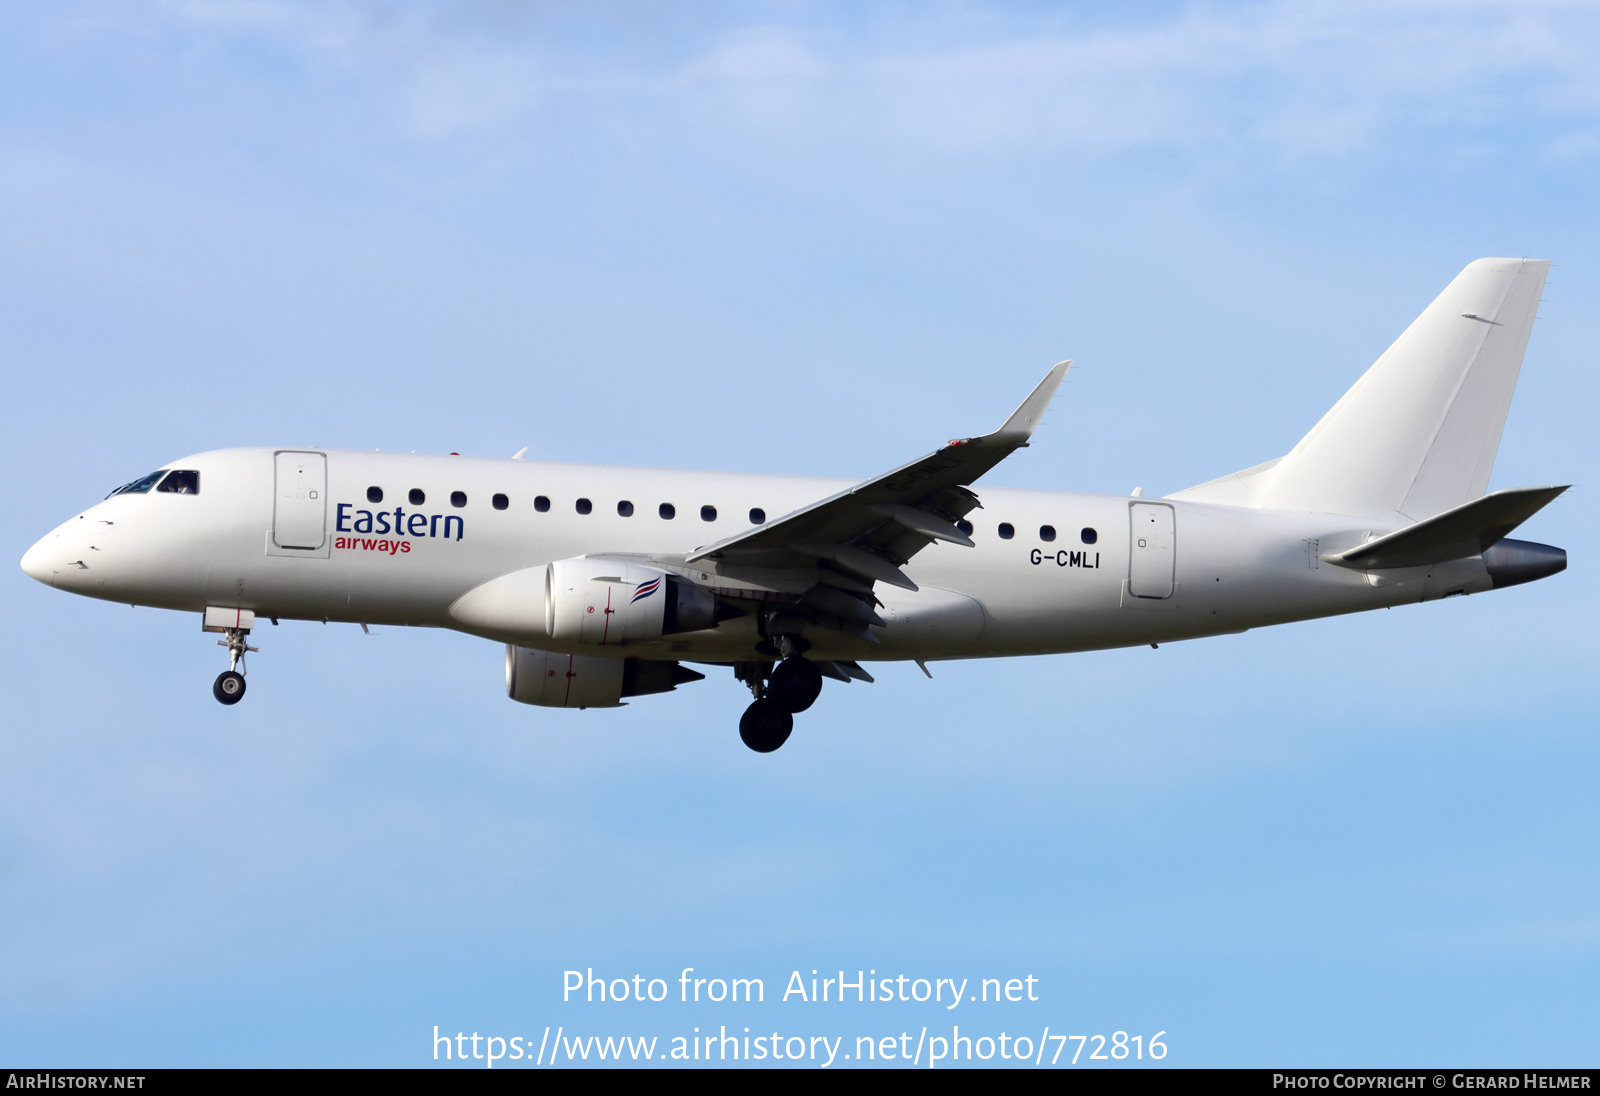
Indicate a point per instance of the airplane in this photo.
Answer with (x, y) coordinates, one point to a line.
(604, 582)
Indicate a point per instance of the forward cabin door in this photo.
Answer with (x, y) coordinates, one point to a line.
(1152, 551)
(299, 504)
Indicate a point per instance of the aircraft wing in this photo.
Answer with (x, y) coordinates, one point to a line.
(866, 533)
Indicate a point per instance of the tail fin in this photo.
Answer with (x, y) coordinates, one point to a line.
(1417, 434)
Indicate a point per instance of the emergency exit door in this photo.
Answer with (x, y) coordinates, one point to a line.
(299, 505)
(1151, 550)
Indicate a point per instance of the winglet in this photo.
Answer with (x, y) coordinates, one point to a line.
(1019, 427)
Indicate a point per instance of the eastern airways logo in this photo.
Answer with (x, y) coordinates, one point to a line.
(395, 523)
(646, 589)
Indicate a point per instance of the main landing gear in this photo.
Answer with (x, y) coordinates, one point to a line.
(765, 726)
(781, 692)
(229, 686)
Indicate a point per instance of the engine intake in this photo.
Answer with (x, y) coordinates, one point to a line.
(595, 600)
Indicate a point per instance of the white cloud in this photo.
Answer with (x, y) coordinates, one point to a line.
(1295, 79)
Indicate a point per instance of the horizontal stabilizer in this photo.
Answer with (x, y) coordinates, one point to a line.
(1468, 530)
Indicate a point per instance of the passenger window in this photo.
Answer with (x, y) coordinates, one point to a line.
(181, 483)
(374, 494)
(758, 516)
(667, 511)
(500, 502)
(1047, 532)
(1006, 531)
(585, 506)
(458, 498)
(141, 485)
(708, 513)
(624, 509)
(965, 527)
(542, 504)
(1089, 536)
(417, 497)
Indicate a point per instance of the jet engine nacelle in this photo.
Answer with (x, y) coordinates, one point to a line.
(554, 680)
(595, 600)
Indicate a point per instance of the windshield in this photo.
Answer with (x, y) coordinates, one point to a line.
(181, 482)
(140, 485)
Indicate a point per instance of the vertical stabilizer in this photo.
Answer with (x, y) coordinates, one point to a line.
(1417, 434)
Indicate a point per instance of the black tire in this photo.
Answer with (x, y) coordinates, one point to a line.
(794, 685)
(765, 726)
(229, 688)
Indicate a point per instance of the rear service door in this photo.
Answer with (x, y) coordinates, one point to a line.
(299, 505)
(1151, 550)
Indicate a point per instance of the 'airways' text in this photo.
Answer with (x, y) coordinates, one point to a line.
(366, 544)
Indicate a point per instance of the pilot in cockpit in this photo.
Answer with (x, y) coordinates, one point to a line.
(181, 483)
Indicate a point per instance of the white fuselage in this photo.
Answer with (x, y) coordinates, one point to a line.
(1205, 569)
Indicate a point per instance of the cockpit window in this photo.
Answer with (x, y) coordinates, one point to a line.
(181, 482)
(141, 485)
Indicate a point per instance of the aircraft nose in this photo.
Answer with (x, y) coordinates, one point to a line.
(36, 562)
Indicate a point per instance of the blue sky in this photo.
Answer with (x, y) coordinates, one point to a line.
(803, 238)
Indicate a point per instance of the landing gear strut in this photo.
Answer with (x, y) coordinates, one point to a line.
(229, 686)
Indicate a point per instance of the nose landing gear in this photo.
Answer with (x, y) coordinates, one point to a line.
(233, 624)
(229, 686)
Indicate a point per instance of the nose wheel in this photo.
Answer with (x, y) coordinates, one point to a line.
(229, 686)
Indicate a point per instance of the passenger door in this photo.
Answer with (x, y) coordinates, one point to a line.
(299, 507)
(1151, 550)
